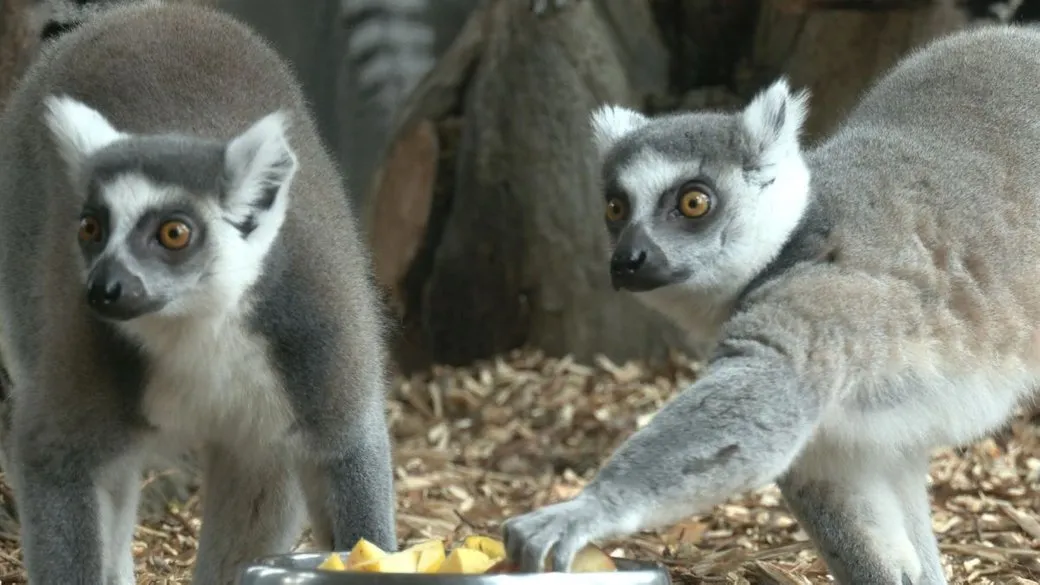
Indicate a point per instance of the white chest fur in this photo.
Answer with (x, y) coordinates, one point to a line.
(940, 407)
(211, 381)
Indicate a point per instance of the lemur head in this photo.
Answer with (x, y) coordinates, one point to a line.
(171, 225)
(701, 199)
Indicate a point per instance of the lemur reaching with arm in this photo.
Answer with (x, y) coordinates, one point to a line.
(178, 267)
(873, 298)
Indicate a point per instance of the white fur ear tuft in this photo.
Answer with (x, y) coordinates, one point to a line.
(610, 123)
(78, 129)
(259, 165)
(774, 118)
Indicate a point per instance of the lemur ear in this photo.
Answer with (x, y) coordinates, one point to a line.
(611, 122)
(259, 166)
(78, 130)
(773, 121)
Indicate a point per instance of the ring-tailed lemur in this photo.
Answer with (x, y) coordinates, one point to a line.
(874, 297)
(178, 268)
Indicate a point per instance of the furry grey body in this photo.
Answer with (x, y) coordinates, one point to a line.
(285, 393)
(873, 298)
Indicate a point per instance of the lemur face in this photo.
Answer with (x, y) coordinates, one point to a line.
(697, 198)
(171, 225)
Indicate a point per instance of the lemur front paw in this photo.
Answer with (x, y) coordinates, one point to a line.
(540, 7)
(560, 530)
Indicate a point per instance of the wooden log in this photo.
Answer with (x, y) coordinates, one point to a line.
(485, 219)
(836, 48)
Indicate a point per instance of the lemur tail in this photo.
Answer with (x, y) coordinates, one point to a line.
(49, 19)
(391, 45)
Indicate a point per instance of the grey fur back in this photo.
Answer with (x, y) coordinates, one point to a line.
(206, 101)
(885, 307)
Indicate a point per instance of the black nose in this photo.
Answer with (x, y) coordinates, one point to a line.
(116, 293)
(102, 293)
(625, 262)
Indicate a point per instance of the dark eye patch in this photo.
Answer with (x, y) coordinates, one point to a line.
(144, 242)
(100, 212)
(54, 29)
(668, 201)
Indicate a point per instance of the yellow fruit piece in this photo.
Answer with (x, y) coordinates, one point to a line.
(363, 552)
(332, 563)
(431, 543)
(466, 560)
(592, 559)
(430, 559)
(494, 549)
(398, 562)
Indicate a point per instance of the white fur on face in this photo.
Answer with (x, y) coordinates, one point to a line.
(648, 175)
(258, 160)
(78, 130)
(610, 123)
(757, 220)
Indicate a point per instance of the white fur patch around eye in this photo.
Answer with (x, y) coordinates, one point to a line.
(648, 174)
(128, 197)
(610, 123)
(78, 129)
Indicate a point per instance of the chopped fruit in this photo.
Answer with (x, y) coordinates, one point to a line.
(363, 552)
(466, 560)
(398, 562)
(430, 559)
(332, 563)
(592, 559)
(477, 554)
(489, 546)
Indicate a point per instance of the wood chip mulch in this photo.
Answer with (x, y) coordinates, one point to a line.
(476, 445)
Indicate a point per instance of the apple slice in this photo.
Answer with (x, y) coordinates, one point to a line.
(592, 559)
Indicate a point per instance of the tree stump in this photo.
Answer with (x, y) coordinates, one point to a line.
(485, 219)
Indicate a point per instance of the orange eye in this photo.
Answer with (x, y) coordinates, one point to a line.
(616, 209)
(174, 235)
(89, 229)
(694, 203)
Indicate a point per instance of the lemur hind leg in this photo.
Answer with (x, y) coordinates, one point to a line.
(119, 493)
(250, 508)
(870, 519)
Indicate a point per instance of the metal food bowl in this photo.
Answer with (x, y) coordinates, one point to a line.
(301, 569)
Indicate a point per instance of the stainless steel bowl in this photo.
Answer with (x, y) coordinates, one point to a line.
(300, 569)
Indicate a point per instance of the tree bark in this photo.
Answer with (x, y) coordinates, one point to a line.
(486, 219)
(836, 48)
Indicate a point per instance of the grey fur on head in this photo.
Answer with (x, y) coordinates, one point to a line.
(871, 299)
(179, 271)
(752, 164)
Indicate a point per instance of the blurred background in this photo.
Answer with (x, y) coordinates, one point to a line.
(461, 127)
